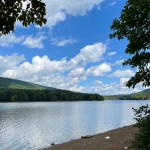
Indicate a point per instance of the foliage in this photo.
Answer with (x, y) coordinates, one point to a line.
(26, 95)
(16, 90)
(134, 25)
(142, 138)
(143, 95)
(25, 11)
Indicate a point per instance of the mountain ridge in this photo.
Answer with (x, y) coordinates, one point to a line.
(8, 83)
(12, 90)
(18, 84)
(142, 95)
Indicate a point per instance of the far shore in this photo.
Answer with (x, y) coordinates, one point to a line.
(117, 139)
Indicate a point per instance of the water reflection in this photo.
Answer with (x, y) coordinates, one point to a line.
(35, 125)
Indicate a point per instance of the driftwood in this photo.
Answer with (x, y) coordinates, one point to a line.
(86, 136)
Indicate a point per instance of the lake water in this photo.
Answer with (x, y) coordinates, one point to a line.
(25, 126)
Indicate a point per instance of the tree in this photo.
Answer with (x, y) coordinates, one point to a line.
(134, 25)
(25, 11)
(14, 98)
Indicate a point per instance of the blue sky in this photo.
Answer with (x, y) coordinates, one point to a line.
(72, 51)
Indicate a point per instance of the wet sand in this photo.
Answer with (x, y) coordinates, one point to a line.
(119, 140)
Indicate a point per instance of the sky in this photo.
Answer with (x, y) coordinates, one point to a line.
(72, 51)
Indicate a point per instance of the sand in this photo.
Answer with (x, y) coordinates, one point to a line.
(118, 139)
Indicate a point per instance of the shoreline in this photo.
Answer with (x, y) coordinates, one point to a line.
(116, 139)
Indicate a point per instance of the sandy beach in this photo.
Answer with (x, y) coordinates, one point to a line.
(117, 139)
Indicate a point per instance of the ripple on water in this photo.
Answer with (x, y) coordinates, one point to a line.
(35, 125)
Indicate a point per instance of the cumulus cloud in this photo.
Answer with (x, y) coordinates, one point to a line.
(88, 54)
(40, 66)
(113, 88)
(55, 18)
(34, 42)
(57, 73)
(62, 42)
(8, 62)
(10, 40)
(99, 70)
(29, 41)
(77, 72)
(123, 73)
(57, 10)
(43, 70)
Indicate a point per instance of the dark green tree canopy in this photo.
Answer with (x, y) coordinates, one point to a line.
(13, 10)
(134, 25)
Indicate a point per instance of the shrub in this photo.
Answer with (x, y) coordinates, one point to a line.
(142, 138)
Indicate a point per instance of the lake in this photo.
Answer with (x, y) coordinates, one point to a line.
(25, 126)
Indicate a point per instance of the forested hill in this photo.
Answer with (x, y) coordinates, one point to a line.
(143, 95)
(145, 91)
(19, 91)
(17, 84)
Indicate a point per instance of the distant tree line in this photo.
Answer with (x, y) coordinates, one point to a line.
(138, 96)
(135, 97)
(22, 95)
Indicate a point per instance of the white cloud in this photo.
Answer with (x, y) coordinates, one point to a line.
(98, 82)
(8, 62)
(55, 18)
(42, 70)
(99, 70)
(57, 10)
(77, 72)
(29, 41)
(119, 62)
(103, 88)
(88, 54)
(62, 42)
(56, 73)
(40, 66)
(111, 53)
(123, 81)
(34, 42)
(113, 3)
(112, 88)
(123, 73)
(10, 40)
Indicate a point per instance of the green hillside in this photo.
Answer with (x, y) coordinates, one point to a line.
(146, 91)
(12, 90)
(17, 84)
(143, 95)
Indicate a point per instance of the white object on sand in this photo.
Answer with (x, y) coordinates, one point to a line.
(107, 137)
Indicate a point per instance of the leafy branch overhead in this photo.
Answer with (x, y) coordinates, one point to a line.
(134, 25)
(25, 11)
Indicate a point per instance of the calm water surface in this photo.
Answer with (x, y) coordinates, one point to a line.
(25, 126)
